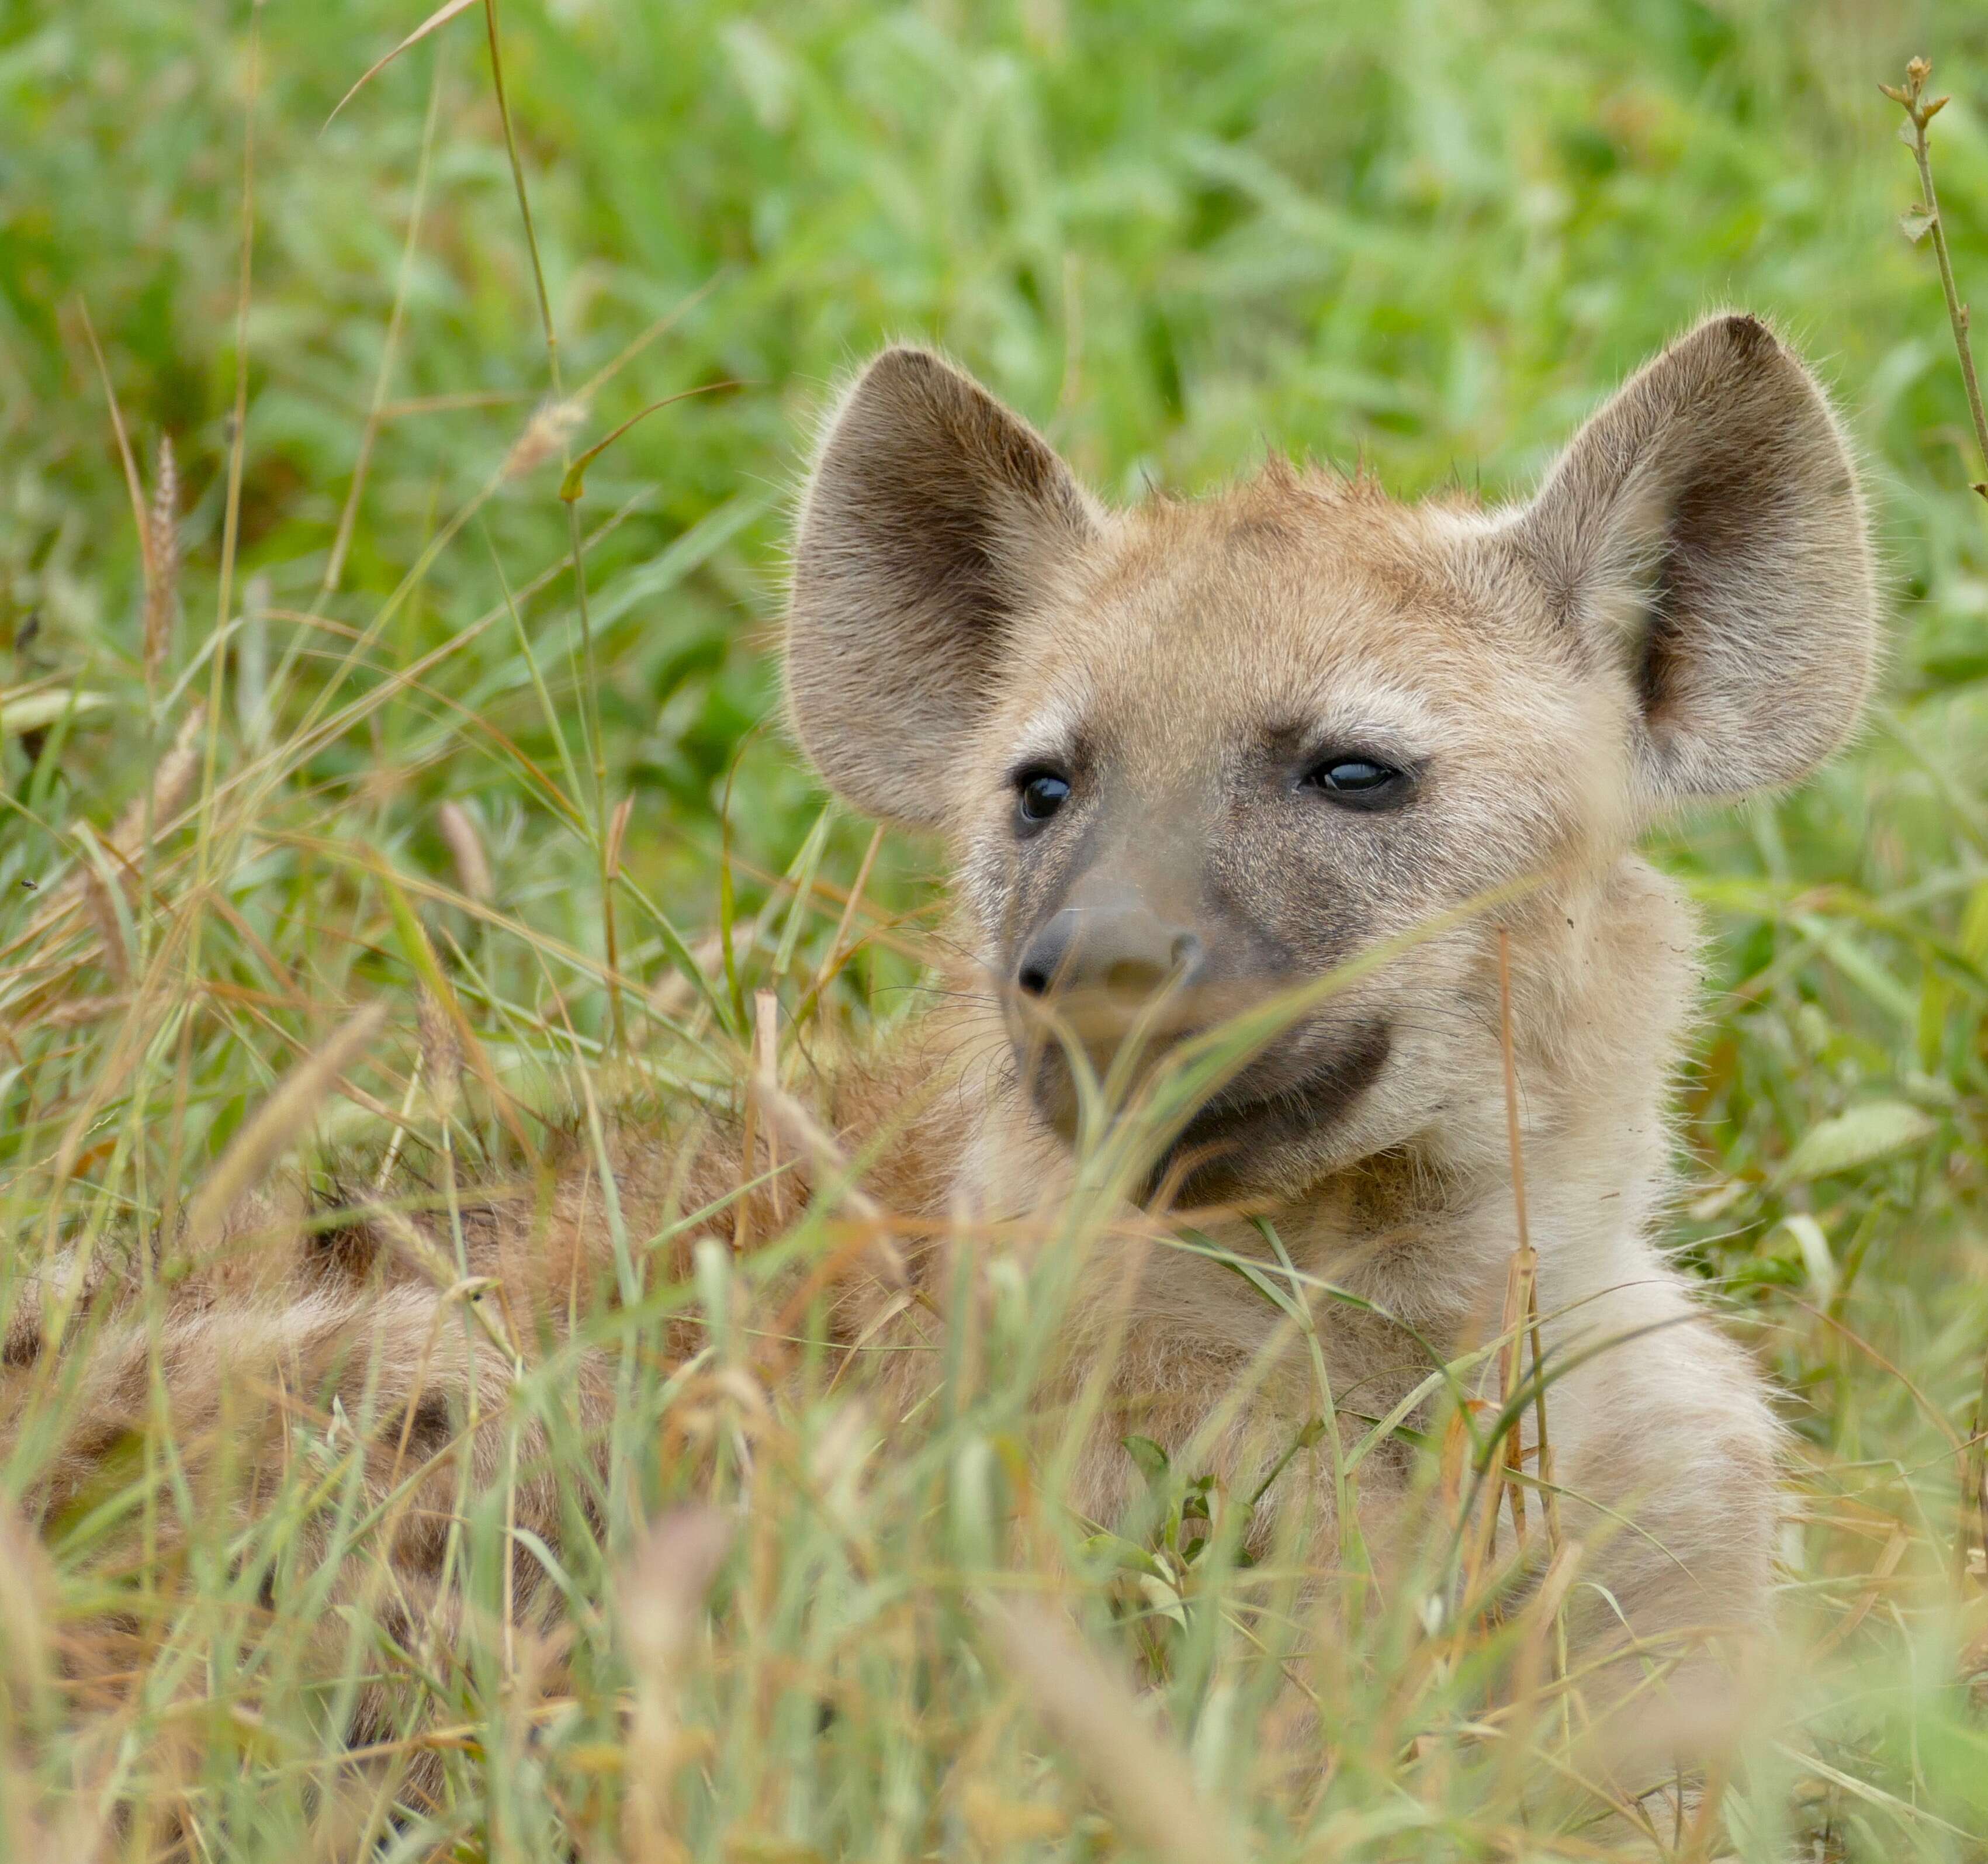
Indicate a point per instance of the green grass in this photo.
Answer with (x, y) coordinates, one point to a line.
(1426, 233)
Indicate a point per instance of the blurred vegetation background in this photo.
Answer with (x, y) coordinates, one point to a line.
(1427, 234)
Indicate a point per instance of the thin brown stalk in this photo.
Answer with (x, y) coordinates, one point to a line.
(766, 1066)
(238, 425)
(231, 524)
(610, 872)
(749, 1146)
(1971, 1540)
(832, 959)
(1974, 1489)
(1920, 110)
(1520, 1304)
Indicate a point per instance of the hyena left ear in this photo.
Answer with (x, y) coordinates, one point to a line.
(1704, 532)
(935, 516)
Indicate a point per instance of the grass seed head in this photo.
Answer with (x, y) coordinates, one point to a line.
(162, 560)
(472, 866)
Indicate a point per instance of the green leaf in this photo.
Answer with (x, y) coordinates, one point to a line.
(1151, 1459)
(34, 710)
(1860, 1136)
(1124, 1555)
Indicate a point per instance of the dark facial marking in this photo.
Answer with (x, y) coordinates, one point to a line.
(1210, 1160)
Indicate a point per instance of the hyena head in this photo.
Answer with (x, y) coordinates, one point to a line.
(1190, 753)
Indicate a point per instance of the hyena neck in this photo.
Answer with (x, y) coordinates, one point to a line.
(1602, 1003)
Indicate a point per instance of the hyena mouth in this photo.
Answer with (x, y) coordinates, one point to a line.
(1252, 1130)
(1123, 1041)
(1253, 1133)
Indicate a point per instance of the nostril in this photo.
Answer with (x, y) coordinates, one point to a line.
(1186, 954)
(1033, 977)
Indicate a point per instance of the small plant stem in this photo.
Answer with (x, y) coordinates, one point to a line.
(524, 201)
(1974, 1480)
(1956, 312)
(1920, 112)
(231, 527)
(348, 517)
(590, 678)
(748, 1148)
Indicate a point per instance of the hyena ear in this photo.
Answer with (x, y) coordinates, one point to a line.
(934, 515)
(1705, 532)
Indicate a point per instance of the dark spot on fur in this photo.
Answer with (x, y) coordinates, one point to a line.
(1748, 334)
(428, 1433)
(350, 1250)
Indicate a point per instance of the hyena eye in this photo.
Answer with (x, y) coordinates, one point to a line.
(1356, 782)
(1038, 794)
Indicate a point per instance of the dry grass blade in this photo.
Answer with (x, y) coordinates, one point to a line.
(100, 886)
(787, 1115)
(1101, 1725)
(130, 465)
(1974, 1549)
(172, 787)
(273, 1127)
(573, 485)
(1521, 1307)
(433, 23)
(661, 1593)
(29, 1593)
(81, 1011)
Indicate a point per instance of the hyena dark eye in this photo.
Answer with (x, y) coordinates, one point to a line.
(1358, 782)
(1038, 794)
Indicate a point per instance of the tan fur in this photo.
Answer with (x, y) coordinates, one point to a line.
(1686, 611)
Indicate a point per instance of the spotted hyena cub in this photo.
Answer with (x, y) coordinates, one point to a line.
(1245, 794)
(1190, 754)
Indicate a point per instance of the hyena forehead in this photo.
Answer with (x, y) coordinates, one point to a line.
(1304, 608)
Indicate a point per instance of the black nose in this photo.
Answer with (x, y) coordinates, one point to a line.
(1123, 949)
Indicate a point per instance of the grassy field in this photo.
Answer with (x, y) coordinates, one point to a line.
(345, 700)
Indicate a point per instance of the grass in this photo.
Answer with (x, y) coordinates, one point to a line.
(374, 733)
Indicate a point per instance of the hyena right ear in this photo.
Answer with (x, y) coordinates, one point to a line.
(1704, 536)
(934, 515)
